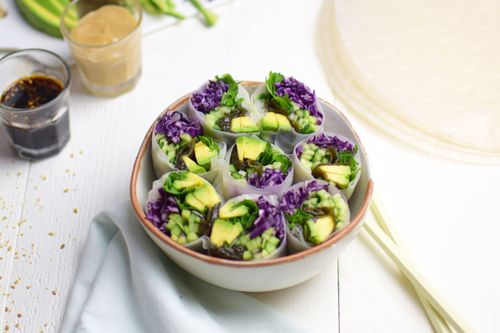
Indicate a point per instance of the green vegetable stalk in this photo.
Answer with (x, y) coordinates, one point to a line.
(209, 16)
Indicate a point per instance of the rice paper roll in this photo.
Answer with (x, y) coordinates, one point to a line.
(314, 211)
(182, 205)
(291, 112)
(224, 109)
(248, 227)
(329, 157)
(254, 166)
(178, 143)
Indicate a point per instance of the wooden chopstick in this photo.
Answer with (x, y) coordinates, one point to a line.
(405, 266)
(438, 323)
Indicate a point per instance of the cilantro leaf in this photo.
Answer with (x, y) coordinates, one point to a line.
(299, 217)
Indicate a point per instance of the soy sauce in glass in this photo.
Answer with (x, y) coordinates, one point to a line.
(34, 102)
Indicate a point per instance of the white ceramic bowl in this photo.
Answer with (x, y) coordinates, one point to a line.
(254, 276)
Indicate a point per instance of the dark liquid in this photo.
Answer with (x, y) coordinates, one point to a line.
(32, 91)
(49, 132)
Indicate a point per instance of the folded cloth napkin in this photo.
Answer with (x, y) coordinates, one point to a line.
(126, 284)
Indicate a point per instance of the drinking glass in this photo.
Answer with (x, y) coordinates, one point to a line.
(44, 130)
(108, 69)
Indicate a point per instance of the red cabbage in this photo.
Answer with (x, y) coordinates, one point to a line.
(294, 199)
(269, 177)
(175, 123)
(269, 216)
(324, 141)
(159, 211)
(209, 97)
(301, 95)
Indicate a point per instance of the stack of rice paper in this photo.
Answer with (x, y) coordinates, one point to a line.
(249, 150)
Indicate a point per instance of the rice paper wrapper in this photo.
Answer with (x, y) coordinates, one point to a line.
(281, 250)
(302, 173)
(284, 139)
(162, 165)
(234, 187)
(227, 137)
(153, 195)
(295, 238)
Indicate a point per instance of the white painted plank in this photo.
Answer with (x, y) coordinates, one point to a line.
(13, 176)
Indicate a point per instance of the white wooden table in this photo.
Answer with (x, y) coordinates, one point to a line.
(446, 213)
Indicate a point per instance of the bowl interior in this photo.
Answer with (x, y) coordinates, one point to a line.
(143, 176)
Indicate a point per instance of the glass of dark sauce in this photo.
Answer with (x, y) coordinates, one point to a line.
(34, 102)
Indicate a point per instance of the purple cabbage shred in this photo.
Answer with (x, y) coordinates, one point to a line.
(269, 216)
(175, 123)
(208, 97)
(301, 95)
(269, 177)
(159, 211)
(294, 199)
(325, 141)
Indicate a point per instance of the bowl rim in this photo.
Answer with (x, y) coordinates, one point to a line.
(146, 144)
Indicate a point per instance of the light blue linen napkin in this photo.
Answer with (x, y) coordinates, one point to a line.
(126, 284)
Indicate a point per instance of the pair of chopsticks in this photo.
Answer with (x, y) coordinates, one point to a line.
(441, 316)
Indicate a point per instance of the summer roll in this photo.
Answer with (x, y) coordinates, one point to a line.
(178, 143)
(290, 109)
(224, 109)
(248, 227)
(329, 157)
(182, 205)
(257, 167)
(314, 210)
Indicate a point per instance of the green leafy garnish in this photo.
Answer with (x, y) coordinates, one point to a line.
(299, 217)
(169, 187)
(209, 142)
(247, 219)
(229, 98)
(346, 157)
(280, 103)
(270, 156)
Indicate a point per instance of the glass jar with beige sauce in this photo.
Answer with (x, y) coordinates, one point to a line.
(105, 42)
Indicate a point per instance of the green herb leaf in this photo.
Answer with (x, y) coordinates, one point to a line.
(270, 155)
(346, 157)
(168, 186)
(209, 142)
(247, 219)
(229, 97)
(299, 217)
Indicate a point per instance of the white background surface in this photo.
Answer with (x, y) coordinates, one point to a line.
(446, 213)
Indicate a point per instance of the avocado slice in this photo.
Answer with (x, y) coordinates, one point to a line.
(283, 121)
(203, 154)
(249, 147)
(189, 183)
(269, 122)
(192, 166)
(317, 232)
(207, 195)
(272, 121)
(231, 209)
(336, 174)
(224, 232)
(243, 125)
(192, 201)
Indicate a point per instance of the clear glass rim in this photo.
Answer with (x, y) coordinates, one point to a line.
(67, 34)
(52, 102)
